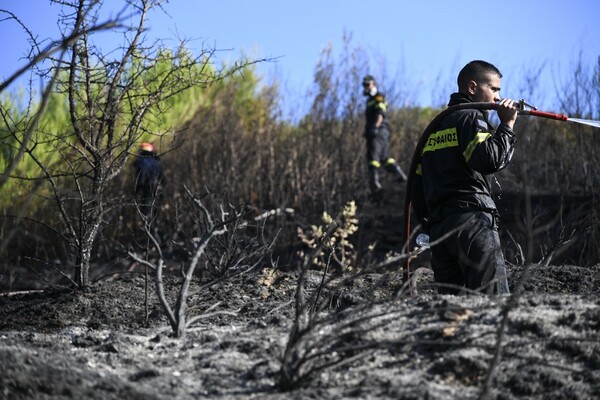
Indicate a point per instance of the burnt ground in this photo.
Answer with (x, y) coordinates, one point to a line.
(370, 342)
(96, 344)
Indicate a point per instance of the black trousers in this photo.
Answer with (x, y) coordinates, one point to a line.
(471, 256)
(378, 146)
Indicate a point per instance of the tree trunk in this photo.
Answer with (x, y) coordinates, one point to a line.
(82, 269)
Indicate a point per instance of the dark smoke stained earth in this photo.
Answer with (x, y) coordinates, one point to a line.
(96, 345)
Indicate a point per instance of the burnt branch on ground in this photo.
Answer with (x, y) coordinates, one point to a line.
(236, 253)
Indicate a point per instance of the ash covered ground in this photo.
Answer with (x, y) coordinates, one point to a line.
(368, 344)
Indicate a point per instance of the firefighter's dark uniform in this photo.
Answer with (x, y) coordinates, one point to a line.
(378, 142)
(148, 177)
(451, 195)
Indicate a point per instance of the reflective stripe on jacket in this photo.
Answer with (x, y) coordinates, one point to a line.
(376, 106)
(456, 159)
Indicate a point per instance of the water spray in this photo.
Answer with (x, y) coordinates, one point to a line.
(524, 109)
(589, 122)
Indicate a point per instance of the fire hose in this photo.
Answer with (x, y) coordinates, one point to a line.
(524, 109)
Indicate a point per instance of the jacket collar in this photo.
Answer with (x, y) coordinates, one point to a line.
(458, 98)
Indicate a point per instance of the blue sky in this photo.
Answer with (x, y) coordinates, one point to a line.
(422, 42)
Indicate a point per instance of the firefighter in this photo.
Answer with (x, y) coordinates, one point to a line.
(148, 179)
(452, 195)
(377, 135)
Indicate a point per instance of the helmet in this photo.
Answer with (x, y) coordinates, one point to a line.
(367, 79)
(149, 147)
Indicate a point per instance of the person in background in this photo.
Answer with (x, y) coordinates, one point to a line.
(148, 179)
(452, 196)
(377, 135)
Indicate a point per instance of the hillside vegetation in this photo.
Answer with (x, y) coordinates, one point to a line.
(229, 137)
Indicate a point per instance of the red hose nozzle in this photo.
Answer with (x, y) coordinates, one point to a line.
(543, 114)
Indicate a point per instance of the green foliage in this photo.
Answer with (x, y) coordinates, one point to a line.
(11, 118)
(167, 71)
(55, 122)
(241, 94)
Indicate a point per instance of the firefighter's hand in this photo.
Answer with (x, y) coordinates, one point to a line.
(508, 111)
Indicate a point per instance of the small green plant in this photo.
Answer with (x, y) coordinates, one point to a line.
(333, 239)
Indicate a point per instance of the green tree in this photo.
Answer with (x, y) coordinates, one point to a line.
(114, 99)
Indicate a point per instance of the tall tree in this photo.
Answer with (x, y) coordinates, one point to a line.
(115, 98)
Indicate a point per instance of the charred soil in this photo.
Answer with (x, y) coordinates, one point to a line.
(366, 342)
(98, 343)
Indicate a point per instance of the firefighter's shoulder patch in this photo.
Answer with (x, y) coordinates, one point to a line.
(380, 98)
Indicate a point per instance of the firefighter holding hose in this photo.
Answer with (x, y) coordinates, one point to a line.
(451, 193)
